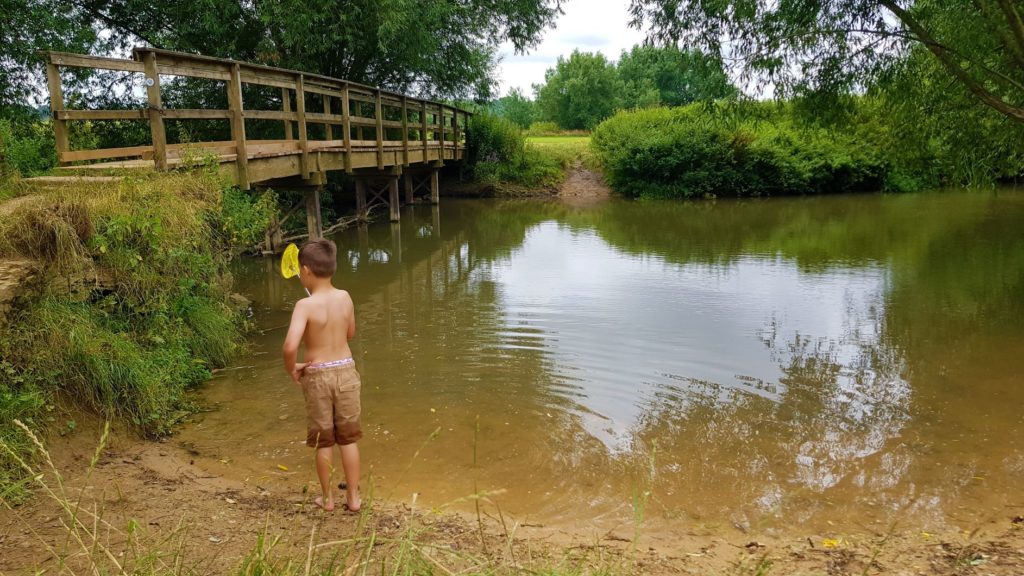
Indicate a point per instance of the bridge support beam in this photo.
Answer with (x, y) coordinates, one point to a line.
(314, 221)
(435, 186)
(396, 214)
(409, 188)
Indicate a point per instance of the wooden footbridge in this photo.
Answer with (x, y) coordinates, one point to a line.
(376, 136)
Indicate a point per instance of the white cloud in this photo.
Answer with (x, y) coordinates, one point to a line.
(589, 25)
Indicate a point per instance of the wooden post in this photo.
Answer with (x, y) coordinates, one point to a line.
(435, 222)
(423, 130)
(156, 114)
(405, 131)
(455, 121)
(435, 187)
(396, 214)
(300, 110)
(286, 105)
(396, 241)
(440, 122)
(380, 132)
(327, 110)
(346, 126)
(361, 199)
(237, 125)
(313, 222)
(408, 187)
(60, 129)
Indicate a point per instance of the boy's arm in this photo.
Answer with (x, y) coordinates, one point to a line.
(291, 342)
(351, 322)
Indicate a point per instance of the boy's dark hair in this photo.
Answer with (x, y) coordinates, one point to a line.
(320, 256)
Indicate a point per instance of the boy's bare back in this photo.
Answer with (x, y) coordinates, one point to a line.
(325, 322)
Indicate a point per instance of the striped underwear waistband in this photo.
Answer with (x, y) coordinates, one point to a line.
(331, 364)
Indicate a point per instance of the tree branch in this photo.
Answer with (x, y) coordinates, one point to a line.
(1015, 22)
(944, 57)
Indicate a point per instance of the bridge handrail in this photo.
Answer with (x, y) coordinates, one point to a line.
(438, 124)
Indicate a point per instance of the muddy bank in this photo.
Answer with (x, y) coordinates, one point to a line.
(157, 502)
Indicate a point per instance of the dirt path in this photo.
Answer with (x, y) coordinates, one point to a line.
(143, 497)
(583, 185)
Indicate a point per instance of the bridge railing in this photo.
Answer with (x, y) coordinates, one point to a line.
(353, 108)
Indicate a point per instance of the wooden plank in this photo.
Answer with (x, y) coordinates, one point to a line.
(269, 115)
(319, 118)
(191, 71)
(60, 131)
(272, 148)
(102, 114)
(346, 126)
(286, 107)
(360, 121)
(380, 135)
(102, 153)
(407, 177)
(300, 108)
(238, 127)
(156, 118)
(405, 132)
(98, 62)
(327, 115)
(196, 114)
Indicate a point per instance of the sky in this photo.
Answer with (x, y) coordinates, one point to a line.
(590, 25)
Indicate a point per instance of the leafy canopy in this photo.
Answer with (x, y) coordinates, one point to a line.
(842, 45)
(580, 91)
(432, 47)
(669, 76)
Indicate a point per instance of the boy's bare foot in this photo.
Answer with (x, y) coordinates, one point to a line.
(329, 507)
(352, 508)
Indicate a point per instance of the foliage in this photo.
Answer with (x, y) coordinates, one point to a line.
(497, 154)
(161, 316)
(837, 47)
(246, 215)
(579, 91)
(515, 107)
(669, 76)
(545, 128)
(436, 47)
(714, 150)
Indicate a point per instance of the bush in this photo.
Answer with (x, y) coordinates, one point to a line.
(543, 129)
(708, 150)
(161, 318)
(497, 153)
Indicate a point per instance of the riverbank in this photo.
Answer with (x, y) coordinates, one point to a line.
(159, 507)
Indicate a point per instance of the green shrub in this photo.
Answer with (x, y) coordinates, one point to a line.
(497, 153)
(709, 150)
(27, 148)
(543, 129)
(161, 319)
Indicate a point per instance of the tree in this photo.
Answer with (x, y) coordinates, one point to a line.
(516, 108)
(432, 47)
(653, 75)
(832, 47)
(579, 92)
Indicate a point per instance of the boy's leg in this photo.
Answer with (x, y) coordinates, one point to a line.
(324, 457)
(350, 463)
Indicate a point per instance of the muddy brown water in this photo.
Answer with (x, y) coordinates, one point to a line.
(814, 364)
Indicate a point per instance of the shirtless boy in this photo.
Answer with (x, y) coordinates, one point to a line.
(325, 322)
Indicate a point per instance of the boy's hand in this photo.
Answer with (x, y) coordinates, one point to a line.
(297, 371)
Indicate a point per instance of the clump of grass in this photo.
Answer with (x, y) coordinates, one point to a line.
(152, 314)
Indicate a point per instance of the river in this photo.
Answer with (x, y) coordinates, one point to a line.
(703, 367)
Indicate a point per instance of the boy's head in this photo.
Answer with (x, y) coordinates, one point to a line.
(319, 258)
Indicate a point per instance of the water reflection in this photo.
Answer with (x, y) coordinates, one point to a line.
(778, 361)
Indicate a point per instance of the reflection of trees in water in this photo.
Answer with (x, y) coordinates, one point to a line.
(833, 412)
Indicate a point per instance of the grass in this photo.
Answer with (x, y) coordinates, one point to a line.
(134, 307)
(92, 542)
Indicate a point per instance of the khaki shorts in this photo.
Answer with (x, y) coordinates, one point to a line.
(332, 405)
